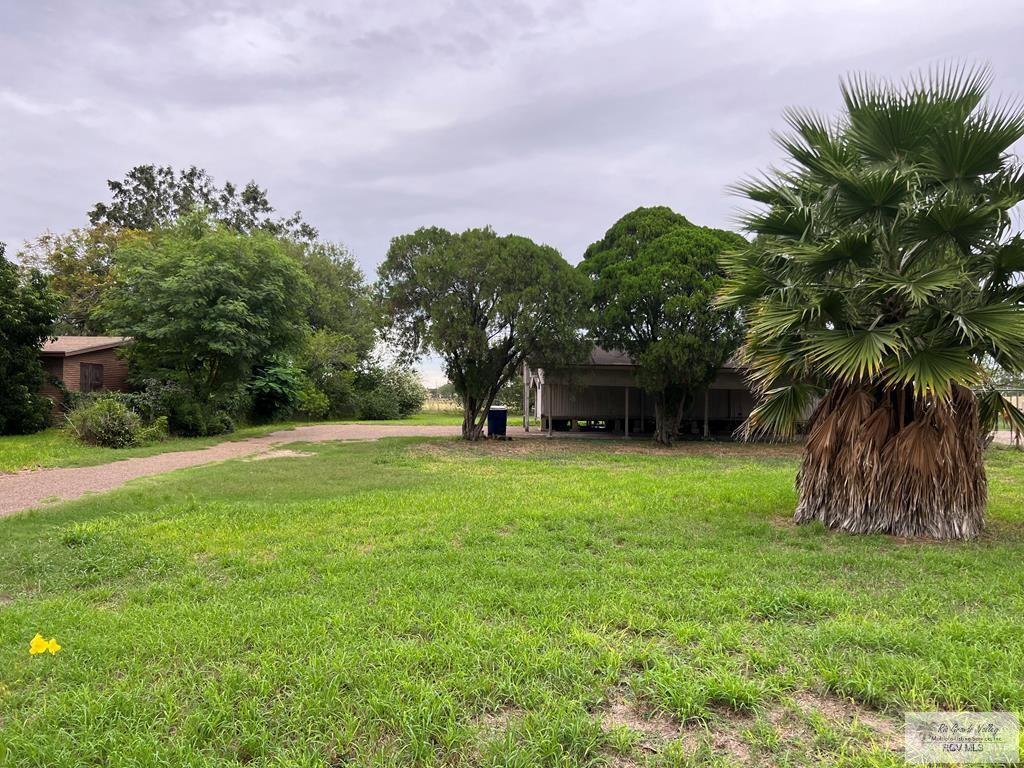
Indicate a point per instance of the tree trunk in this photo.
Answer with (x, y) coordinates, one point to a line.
(470, 413)
(664, 429)
(880, 460)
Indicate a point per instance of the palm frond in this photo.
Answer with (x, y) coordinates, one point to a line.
(852, 355)
(848, 249)
(934, 370)
(765, 189)
(1005, 264)
(815, 144)
(975, 147)
(780, 411)
(957, 86)
(1001, 325)
(873, 192)
(994, 406)
(955, 219)
(770, 362)
(793, 221)
(919, 287)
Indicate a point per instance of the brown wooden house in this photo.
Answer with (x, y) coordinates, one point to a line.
(83, 364)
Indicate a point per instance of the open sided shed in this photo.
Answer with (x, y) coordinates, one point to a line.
(603, 394)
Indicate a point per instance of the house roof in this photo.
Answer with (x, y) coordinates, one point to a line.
(67, 346)
(601, 356)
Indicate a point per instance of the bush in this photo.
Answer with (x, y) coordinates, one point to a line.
(154, 432)
(330, 360)
(405, 386)
(107, 422)
(313, 403)
(152, 400)
(190, 418)
(378, 405)
(392, 392)
(276, 392)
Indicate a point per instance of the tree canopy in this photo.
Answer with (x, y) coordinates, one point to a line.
(152, 196)
(483, 303)
(27, 312)
(78, 267)
(205, 303)
(339, 299)
(886, 271)
(655, 276)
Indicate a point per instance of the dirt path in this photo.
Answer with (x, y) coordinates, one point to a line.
(25, 490)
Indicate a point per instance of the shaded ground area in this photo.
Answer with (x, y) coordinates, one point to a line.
(26, 490)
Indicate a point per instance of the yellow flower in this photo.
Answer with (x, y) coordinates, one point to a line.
(40, 644)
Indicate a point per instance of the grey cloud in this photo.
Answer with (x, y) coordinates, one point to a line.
(550, 118)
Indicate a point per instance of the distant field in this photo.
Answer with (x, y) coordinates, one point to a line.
(533, 603)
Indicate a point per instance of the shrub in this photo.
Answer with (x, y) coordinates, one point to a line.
(190, 418)
(378, 405)
(152, 400)
(107, 422)
(276, 391)
(313, 403)
(405, 386)
(390, 392)
(154, 432)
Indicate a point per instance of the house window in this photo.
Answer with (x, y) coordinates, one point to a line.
(90, 377)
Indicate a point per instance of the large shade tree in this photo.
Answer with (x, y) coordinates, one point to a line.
(483, 304)
(885, 274)
(204, 304)
(654, 277)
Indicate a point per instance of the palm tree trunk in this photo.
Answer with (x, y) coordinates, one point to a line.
(867, 470)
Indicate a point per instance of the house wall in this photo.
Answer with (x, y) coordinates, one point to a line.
(115, 374)
(115, 370)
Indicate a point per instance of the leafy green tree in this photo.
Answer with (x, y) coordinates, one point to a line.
(483, 303)
(28, 309)
(886, 271)
(340, 301)
(331, 361)
(78, 267)
(655, 276)
(152, 196)
(205, 304)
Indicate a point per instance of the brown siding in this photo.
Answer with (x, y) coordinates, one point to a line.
(115, 370)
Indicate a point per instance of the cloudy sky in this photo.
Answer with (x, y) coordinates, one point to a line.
(549, 119)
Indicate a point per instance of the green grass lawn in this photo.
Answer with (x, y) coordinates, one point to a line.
(57, 447)
(559, 603)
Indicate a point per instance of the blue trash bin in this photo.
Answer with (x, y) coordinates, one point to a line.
(497, 421)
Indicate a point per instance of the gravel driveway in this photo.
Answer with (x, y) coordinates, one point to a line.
(25, 490)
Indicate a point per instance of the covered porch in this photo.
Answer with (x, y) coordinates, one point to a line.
(603, 396)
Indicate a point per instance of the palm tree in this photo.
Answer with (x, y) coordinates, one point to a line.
(884, 276)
